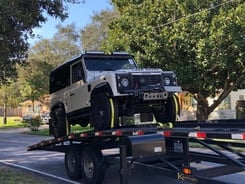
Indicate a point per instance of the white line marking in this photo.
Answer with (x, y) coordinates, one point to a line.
(39, 172)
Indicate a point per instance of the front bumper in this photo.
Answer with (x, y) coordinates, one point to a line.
(152, 93)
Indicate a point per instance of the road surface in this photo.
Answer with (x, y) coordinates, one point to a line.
(13, 145)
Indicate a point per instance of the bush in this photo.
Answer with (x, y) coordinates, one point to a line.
(33, 123)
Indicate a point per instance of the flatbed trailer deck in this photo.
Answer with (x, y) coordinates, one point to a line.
(166, 151)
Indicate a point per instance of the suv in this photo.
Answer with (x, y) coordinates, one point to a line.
(98, 89)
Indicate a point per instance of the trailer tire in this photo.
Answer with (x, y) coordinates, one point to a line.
(104, 112)
(170, 112)
(73, 163)
(93, 165)
(59, 122)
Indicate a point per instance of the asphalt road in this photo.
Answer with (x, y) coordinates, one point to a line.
(13, 151)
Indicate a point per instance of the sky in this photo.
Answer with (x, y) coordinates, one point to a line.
(80, 14)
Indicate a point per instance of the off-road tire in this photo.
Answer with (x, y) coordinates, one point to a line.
(104, 112)
(58, 122)
(170, 112)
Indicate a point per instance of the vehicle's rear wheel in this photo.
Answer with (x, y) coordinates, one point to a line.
(58, 122)
(93, 165)
(73, 163)
(170, 112)
(104, 112)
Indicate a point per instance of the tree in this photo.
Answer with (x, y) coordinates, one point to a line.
(34, 80)
(43, 57)
(63, 46)
(17, 19)
(202, 41)
(93, 34)
(9, 97)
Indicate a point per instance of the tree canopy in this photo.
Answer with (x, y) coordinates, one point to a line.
(33, 77)
(45, 55)
(95, 32)
(64, 45)
(202, 41)
(17, 20)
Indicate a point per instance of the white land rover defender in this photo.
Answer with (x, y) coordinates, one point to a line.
(97, 89)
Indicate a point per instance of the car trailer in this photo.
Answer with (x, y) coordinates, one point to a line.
(165, 151)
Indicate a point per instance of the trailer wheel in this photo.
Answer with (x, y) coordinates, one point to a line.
(93, 165)
(170, 112)
(59, 123)
(73, 163)
(104, 112)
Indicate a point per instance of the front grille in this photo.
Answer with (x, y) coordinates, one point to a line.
(142, 81)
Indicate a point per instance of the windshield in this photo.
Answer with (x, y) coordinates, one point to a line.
(109, 63)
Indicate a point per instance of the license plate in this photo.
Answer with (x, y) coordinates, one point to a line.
(155, 96)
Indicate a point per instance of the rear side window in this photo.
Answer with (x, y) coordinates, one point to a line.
(77, 72)
(59, 79)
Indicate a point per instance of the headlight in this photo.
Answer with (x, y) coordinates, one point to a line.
(167, 81)
(124, 82)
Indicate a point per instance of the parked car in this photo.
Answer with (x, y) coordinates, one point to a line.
(45, 117)
(29, 115)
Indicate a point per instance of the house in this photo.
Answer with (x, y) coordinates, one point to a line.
(28, 108)
(228, 107)
(226, 110)
(36, 108)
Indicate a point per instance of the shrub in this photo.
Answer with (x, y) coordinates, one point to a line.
(33, 123)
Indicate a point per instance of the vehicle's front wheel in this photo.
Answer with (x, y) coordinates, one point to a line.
(58, 122)
(104, 112)
(170, 111)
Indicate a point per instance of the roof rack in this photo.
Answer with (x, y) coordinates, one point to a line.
(94, 52)
(120, 53)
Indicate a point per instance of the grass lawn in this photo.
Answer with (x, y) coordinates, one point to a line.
(9, 175)
(16, 122)
(12, 122)
(74, 129)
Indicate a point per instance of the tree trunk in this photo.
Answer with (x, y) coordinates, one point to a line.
(202, 112)
(5, 114)
(33, 101)
(5, 109)
(202, 108)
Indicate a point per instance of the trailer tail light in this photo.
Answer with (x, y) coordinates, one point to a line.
(83, 135)
(187, 170)
(240, 136)
(167, 134)
(98, 133)
(139, 132)
(200, 135)
(118, 133)
(72, 136)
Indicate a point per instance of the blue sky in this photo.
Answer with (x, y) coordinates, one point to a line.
(80, 14)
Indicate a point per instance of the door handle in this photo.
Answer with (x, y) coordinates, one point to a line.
(72, 94)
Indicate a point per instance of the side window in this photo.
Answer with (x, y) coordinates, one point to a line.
(77, 72)
(59, 79)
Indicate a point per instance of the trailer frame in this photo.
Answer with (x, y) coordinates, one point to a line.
(162, 150)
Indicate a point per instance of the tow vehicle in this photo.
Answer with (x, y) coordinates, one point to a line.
(166, 151)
